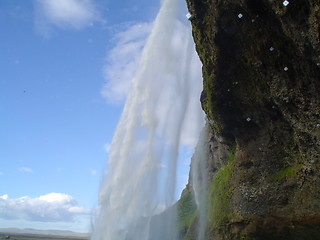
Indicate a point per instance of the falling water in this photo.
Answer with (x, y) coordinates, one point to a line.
(142, 167)
(199, 182)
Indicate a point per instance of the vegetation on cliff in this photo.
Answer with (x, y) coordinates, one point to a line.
(261, 73)
(187, 216)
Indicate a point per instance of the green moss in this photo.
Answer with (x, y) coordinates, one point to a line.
(232, 153)
(207, 104)
(220, 192)
(219, 195)
(288, 172)
(187, 214)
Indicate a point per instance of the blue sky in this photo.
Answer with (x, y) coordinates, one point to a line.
(65, 69)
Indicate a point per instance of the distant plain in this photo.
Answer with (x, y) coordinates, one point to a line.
(7, 236)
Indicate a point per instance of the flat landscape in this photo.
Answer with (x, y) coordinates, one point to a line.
(15, 236)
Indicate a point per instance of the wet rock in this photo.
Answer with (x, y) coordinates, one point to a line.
(261, 96)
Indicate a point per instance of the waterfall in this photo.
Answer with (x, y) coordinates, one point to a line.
(140, 181)
(199, 182)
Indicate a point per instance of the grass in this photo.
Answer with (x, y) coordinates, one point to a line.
(220, 193)
(219, 197)
(218, 202)
(288, 172)
(187, 214)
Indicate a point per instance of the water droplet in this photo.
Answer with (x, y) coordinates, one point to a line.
(271, 49)
(318, 125)
(252, 20)
(285, 68)
(240, 15)
(188, 16)
(248, 119)
(228, 90)
(318, 64)
(285, 3)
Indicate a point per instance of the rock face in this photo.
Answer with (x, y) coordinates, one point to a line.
(261, 72)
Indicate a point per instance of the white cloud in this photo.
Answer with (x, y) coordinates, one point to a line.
(52, 207)
(25, 170)
(66, 14)
(4, 197)
(122, 61)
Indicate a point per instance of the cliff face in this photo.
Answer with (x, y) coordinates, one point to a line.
(261, 72)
